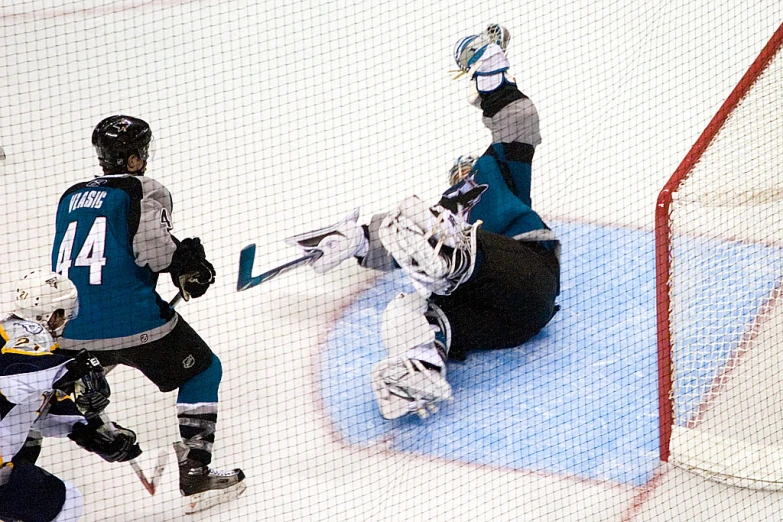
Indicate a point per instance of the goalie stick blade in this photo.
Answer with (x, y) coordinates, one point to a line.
(247, 258)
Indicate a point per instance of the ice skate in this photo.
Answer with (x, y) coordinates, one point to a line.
(203, 487)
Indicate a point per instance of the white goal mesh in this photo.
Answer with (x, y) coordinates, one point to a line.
(724, 242)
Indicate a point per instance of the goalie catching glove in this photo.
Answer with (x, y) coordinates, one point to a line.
(470, 50)
(190, 271)
(110, 440)
(334, 244)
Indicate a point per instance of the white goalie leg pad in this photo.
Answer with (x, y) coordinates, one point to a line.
(406, 233)
(413, 378)
(404, 326)
(402, 386)
(415, 236)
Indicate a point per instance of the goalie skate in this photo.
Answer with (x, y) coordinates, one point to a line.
(402, 386)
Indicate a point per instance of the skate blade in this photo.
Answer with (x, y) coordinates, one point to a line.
(202, 501)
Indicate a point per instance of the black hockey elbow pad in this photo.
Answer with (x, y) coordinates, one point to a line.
(190, 271)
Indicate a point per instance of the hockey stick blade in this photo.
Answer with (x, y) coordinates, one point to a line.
(149, 486)
(133, 464)
(247, 257)
(160, 467)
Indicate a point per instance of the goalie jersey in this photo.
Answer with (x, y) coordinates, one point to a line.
(28, 368)
(113, 236)
(504, 204)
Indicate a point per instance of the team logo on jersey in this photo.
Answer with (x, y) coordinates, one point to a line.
(188, 362)
(97, 182)
(165, 220)
(30, 327)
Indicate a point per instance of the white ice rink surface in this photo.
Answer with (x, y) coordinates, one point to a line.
(271, 119)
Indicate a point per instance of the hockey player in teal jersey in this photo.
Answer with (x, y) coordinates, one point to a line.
(45, 394)
(113, 239)
(485, 266)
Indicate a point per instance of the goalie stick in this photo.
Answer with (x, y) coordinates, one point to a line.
(247, 257)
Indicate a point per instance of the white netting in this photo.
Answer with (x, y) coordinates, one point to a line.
(726, 236)
(275, 118)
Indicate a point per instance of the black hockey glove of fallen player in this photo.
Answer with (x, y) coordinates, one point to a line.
(190, 270)
(111, 441)
(86, 379)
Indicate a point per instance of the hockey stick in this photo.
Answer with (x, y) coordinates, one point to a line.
(247, 257)
(149, 486)
(177, 298)
(160, 466)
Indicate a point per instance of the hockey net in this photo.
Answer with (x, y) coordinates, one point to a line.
(719, 262)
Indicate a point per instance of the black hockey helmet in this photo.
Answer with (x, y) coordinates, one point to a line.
(118, 137)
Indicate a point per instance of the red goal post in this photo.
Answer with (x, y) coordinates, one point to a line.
(727, 190)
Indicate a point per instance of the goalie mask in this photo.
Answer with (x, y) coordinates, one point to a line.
(119, 137)
(461, 168)
(48, 299)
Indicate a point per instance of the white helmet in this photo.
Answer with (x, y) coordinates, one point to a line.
(40, 294)
(461, 168)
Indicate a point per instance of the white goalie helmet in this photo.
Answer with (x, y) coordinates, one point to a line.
(47, 298)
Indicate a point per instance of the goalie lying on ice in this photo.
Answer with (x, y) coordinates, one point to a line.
(485, 266)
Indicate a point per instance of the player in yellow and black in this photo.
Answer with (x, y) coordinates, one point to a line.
(44, 394)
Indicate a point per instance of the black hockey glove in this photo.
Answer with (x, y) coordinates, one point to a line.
(92, 391)
(86, 379)
(190, 270)
(111, 441)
